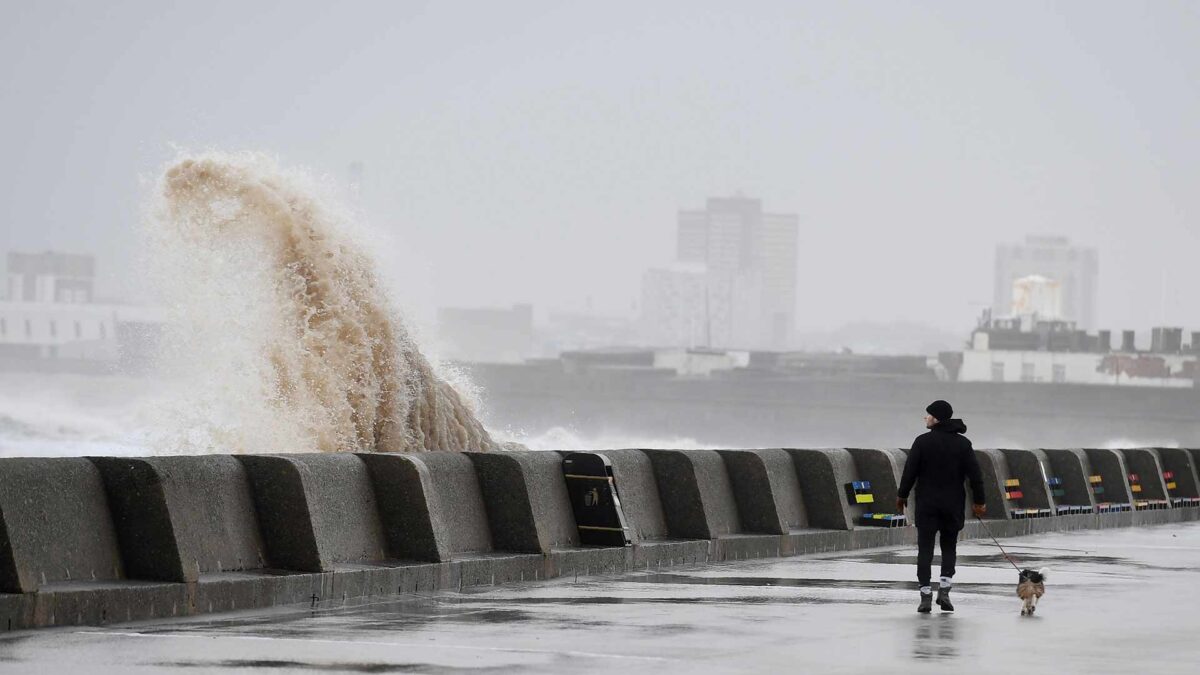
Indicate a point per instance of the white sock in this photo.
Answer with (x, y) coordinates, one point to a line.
(946, 581)
(926, 590)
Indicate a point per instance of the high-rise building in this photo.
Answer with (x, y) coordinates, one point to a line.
(747, 268)
(1074, 268)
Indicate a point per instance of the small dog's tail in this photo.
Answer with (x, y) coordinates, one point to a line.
(1043, 572)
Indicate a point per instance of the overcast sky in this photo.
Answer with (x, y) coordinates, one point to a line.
(535, 152)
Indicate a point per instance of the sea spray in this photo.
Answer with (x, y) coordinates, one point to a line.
(285, 337)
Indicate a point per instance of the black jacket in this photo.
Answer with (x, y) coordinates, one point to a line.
(939, 463)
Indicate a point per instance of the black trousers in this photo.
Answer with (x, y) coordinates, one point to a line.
(949, 536)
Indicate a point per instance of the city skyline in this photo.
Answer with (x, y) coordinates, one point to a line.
(519, 161)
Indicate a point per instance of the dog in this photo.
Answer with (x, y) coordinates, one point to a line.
(1030, 586)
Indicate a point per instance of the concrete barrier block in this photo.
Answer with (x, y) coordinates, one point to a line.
(767, 490)
(637, 488)
(659, 553)
(528, 508)
(1195, 454)
(696, 493)
(508, 503)
(1032, 469)
(1144, 463)
(515, 568)
(589, 561)
(115, 602)
(747, 547)
(16, 610)
(180, 517)
(822, 474)
(1072, 467)
(56, 524)
(884, 469)
(995, 473)
(457, 501)
(142, 520)
(315, 511)
(1182, 466)
(551, 504)
(232, 591)
(1110, 466)
(409, 510)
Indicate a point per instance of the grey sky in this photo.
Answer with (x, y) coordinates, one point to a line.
(538, 152)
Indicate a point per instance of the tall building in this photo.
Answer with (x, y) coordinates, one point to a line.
(1075, 269)
(746, 262)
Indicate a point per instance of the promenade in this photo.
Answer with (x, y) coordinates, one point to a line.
(1118, 601)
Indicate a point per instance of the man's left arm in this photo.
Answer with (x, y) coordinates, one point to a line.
(911, 466)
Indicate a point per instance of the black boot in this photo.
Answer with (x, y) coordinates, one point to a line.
(926, 605)
(943, 599)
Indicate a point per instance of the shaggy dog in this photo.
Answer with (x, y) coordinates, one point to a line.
(1030, 587)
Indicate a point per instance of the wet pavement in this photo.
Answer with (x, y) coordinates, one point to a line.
(1117, 601)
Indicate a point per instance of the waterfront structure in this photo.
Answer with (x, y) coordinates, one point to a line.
(745, 260)
(1032, 350)
(50, 321)
(1074, 268)
(171, 536)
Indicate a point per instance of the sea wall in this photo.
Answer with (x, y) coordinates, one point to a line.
(103, 540)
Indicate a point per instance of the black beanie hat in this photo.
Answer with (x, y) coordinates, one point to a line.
(940, 410)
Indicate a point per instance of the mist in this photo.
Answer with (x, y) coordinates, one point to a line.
(524, 170)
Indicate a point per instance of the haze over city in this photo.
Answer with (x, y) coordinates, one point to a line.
(538, 153)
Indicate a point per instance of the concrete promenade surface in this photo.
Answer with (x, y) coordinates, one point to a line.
(1117, 601)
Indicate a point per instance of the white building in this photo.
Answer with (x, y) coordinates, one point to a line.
(50, 322)
(52, 330)
(982, 365)
(1024, 350)
(1074, 268)
(89, 337)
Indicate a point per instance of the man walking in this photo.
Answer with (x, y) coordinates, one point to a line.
(940, 461)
